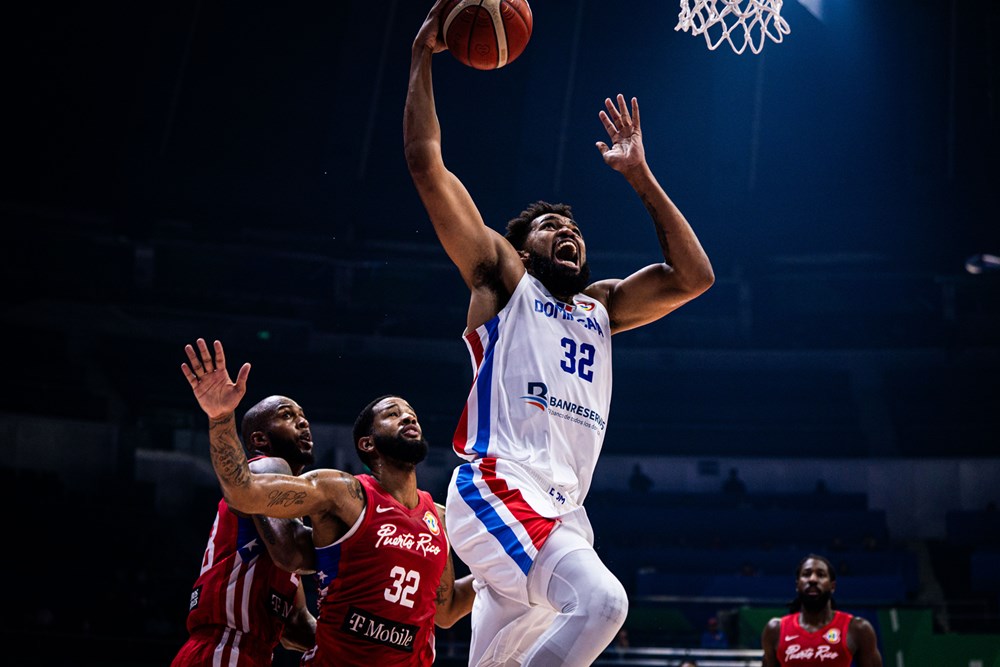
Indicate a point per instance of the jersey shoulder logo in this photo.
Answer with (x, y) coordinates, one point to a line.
(832, 635)
(432, 522)
(379, 509)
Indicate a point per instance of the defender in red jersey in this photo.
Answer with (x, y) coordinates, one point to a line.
(380, 548)
(814, 633)
(242, 603)
(395, 545)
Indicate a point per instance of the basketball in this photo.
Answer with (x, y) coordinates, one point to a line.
(486, 34)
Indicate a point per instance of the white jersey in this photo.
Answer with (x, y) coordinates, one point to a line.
(542, 391)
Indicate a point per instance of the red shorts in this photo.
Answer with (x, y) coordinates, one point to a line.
(222, 646)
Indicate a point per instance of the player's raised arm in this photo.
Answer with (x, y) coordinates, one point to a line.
(478, 251)
(275, 495)
(686, 272)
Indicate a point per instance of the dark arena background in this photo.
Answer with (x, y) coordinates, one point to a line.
(234, 170)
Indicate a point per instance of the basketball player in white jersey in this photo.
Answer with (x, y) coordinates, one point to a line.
(540, 337)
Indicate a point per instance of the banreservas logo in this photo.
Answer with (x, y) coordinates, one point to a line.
(538, 396)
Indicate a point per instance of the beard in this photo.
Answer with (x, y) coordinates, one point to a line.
(398, 448)
(815, 604)
(558, 279)
(289, 450)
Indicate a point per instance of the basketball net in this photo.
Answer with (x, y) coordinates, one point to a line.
(742, 23)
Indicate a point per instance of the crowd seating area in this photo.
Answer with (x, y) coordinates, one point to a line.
(967, 563)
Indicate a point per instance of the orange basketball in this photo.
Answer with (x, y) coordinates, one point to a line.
(486, 34)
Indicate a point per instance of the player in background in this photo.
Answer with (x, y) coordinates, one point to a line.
(245, 599)
(539, 334)
(815, 633)
(382, 557)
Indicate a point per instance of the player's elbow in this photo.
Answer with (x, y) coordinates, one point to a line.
(445, 618)
(289, 562)
(293, 645)
(295, 562)
(423, 158)
(705, 280)
(238, 499)
(698, 281)
(456, 605)
(300, 632)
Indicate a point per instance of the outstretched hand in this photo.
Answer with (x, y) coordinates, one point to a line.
(217, 394)
(626, 151)
(429, 36)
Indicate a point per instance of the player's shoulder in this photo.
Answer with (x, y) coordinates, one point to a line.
(601, 290)
(330, 476)
(337, 484)
(270, 464)
(861, 624)
(772, 629)
(861, 635)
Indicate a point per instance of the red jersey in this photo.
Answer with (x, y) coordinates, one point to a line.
(240, 600)
(378, 586)
(827, 646)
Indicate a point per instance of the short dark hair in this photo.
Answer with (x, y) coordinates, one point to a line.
(363, 426)
(518, 228)
(256, 419)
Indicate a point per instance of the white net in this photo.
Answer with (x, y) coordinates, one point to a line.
(742, 23)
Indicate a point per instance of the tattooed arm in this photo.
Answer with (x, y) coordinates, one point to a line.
(288, 541)
(278, 496)
(321, 492)
(454, 598)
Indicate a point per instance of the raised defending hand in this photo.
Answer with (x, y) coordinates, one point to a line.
(626, 150)
(217, 394)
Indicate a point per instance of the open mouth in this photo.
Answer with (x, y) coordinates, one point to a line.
(411, 432)
(566, 251)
